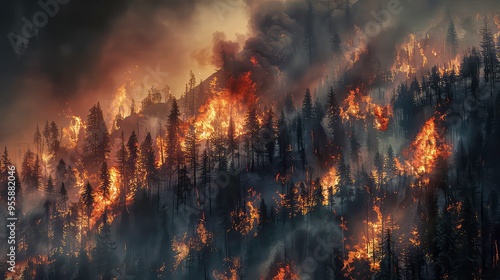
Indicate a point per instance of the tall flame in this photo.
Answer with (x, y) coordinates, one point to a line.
(425, 150)
(224, 104)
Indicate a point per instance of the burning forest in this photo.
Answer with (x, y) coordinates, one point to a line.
(324, 140)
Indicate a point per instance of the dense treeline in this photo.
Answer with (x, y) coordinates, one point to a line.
(169, 204)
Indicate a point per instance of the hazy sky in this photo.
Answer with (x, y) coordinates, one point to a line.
(89, 48)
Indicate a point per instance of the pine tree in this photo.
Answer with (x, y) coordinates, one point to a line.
(355, 148)
(5, 161)
(490, 59)
(232, 144)
(183, 187)
(192, 148)
(318, 112)
(389, 268)
(390, 163)
(104, 256)
(379, 166)
(54, 139)
(192, 97)
(97, 140)
(46, 134)
(61, 173)
(468, 261)
(269, 130)
(49, 190)
(147, 160)
(300, 143)
(307, 108)
(30, 170)
(57, 238)
(87, 199)
(263, 217)
(317, 194)
(64, 195)
(133, 156)
(282, 136)
(252, 134)
(84, 271)
(104, 181)
(435, 83)
(452, 39)
(335, 125)
(122, 160)
(206, 176)
(37, 140)
(173, 150)
(446, 244)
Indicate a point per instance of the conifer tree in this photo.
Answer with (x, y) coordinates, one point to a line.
(252, 134)
(452, 39)
(104, 181)
(133, 156)
(64, 195)
(268, 129)
(122, 160)
(147, 161)
(307, 108)
(192, 148)
(87, 199)
(37, 140)
(335, 125)
(173, 150)
(490, 59)
(97, 140)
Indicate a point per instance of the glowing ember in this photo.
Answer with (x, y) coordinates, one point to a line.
(232, 273)
(358, 107)
(244, 221)
(286, 273)
(204, 236)
(357, 253)
(181, 247)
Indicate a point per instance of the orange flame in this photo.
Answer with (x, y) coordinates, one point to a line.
(425, 150)
(358, 107)
(112, 203)
(232, 274)
(330, 179)
(223, 105)
(182, 246)
(245, 221)
(72, 131)
(286, 273)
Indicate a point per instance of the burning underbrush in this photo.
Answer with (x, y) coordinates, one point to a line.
(358, 107)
